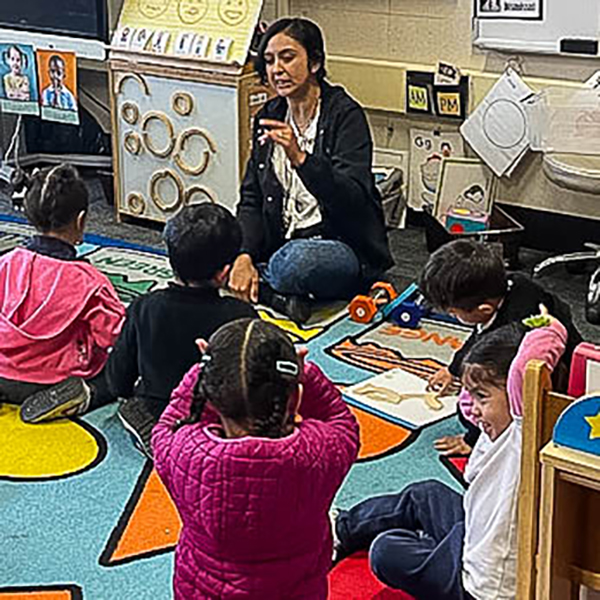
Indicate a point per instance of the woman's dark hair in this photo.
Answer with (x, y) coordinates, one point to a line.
(55, 197)
(306, 33)
(248, 373)
(463, 274)
(202, 239)
(490, 358)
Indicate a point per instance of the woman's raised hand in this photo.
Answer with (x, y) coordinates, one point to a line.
(243, 279)
(282, 134)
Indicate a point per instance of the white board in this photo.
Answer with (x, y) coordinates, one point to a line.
(562, 20)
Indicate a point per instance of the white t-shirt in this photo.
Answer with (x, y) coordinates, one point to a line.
(300, 209)
(490, 546)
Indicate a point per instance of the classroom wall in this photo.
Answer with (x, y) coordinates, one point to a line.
(371, 42)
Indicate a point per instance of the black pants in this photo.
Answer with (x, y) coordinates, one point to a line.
(415, 539)
(15, 392)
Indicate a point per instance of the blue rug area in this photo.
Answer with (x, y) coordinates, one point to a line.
(83, 514)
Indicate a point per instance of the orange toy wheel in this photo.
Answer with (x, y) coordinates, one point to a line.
(363, 309)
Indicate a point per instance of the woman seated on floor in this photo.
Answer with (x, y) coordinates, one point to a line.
(311, 216)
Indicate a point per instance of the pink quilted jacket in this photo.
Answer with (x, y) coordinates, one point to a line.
(58, 318)
(255, 510)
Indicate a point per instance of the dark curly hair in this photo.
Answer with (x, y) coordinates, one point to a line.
(305, 32)
(55, 198)
(490, 358)
(202, 239)
(248, 374)
(463, 274)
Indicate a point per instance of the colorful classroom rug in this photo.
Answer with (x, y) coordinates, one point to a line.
(85, 516)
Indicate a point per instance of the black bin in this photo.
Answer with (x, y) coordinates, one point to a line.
(504, 230)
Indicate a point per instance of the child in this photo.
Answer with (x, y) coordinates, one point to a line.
(59, 316)
(427, 540)
(16, 83)
(57, 95)
(468, 279)
(252, 480)
(157, 345)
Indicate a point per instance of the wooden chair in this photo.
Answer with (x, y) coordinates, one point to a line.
(541, 409)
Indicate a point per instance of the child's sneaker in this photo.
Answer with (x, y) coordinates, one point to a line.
(138, 421)
(65, 399)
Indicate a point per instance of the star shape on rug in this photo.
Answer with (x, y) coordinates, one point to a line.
(594, 423)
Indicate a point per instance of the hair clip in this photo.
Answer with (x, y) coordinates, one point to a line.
(287, 367)
(206, 358)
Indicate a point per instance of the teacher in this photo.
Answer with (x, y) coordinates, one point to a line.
(310, 213)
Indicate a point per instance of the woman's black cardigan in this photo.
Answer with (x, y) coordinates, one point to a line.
(337, 173)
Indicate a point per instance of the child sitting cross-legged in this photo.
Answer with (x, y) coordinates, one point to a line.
(467, 279)
(59, 316)
(252, 449)
(157, 345)
(428, 540)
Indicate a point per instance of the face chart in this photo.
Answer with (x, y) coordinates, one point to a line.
(153, 8)
(233, 12)
(191, 11)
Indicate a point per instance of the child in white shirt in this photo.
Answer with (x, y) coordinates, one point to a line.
(428, 540)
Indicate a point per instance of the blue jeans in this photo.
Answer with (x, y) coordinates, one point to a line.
(415, 539)
(321, 269)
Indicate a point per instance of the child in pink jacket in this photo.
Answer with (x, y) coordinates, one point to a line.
(252, 448)
(59, 316)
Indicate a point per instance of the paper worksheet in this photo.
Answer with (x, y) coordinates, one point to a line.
(400, 396)
(498, 130)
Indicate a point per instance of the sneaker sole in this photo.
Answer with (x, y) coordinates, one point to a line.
(138, 442)
(55, 401)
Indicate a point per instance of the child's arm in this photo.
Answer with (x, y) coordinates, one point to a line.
(178, 409)
(544, 343)
(322, 401)
(122, 366)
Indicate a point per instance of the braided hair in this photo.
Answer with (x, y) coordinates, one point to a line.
(55, 198)
(248, 373)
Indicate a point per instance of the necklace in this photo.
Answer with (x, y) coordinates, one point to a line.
(302, 126)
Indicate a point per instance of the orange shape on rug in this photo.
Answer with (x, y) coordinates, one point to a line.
(377, 436)
(37, 595)
(352, 579)
(153, 526)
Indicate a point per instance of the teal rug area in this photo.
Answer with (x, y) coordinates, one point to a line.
(84, 516)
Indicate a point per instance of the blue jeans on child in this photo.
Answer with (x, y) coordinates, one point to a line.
(415, 539)
(321, 269)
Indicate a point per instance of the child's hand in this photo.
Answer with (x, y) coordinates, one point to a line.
(543, 319)
(202, 345)
(440, 381)
(452, 444)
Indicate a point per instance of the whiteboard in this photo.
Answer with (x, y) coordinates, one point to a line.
(563, 19)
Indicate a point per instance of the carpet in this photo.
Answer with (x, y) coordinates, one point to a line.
(85, 516)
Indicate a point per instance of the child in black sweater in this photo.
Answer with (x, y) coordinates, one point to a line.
(157, 345)
(468, 280)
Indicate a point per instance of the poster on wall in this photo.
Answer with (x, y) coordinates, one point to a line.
(509, 9)
(467, 184)
(19, 93)
(427, 150)
(57, 74)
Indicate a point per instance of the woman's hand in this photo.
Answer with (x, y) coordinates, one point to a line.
(283, 135)
(243, 279)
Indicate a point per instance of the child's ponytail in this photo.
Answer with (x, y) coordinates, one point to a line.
(198, 398)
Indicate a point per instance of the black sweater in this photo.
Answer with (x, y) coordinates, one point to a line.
(337, 173)
(523, 300)
(157, 343)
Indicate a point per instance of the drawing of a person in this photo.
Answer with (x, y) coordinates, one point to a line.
(16, 83)
(490, 6)
(56, 95)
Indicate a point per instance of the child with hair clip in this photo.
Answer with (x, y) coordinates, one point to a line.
(252, 449)
(59, 316)
(428, 540)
